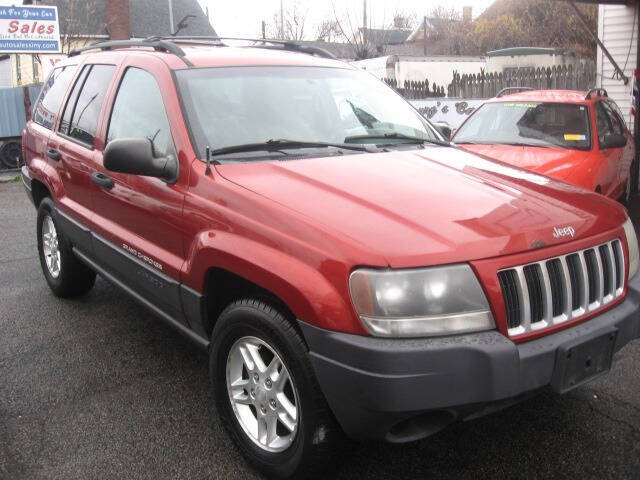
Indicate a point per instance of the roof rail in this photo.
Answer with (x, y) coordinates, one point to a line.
(601, 92)
(257, 43)
(169, 45)
(509, 90)
(157, 44)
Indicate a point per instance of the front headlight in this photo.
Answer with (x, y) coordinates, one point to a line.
(632, 244)
(422, 302)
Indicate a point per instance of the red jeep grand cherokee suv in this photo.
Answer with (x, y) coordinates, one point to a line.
(350, 274)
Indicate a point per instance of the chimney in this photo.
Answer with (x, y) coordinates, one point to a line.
(467, 14)
(116, 15)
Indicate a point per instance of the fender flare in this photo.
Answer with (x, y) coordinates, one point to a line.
(307, 292)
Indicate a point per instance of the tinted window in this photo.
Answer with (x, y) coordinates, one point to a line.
(87, 109)
(616, 123)
(528, 123)
(71, 101)
(603, 122)
(239, 105)
(139, 112)
(53, 92)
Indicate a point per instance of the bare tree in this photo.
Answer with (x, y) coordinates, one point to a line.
(442, 23)
(75, 21)
(356, 35)
(294, 21)
(404, 20)
(328, 30)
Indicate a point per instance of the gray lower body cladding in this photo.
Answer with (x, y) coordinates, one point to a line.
(405, 389)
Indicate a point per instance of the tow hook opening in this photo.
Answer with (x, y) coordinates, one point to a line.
(419, 427)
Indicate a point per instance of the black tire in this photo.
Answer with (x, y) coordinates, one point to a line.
(11, 154)
(319, 441)
(74, 277)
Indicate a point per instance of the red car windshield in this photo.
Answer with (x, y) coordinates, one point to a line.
(528, 123)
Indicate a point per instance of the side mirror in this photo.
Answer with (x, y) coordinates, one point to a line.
(444, 129)
(613, 140)
(135, 156)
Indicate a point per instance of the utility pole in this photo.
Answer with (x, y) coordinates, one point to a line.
(364, 23)
(424, 35)
(264, 29)
(171, 30)
(281, 20)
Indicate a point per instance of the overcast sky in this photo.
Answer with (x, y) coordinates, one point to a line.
(244, 17)
(233, 18)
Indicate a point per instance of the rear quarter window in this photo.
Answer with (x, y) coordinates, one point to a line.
(53, 92)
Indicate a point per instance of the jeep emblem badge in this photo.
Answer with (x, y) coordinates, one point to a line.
(567, 231)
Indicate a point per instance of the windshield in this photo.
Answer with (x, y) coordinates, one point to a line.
(536, 124)
(227, 107)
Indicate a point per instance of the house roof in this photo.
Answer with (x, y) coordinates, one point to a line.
(345, 51)
(515, 51)
(381, 36)
(147, 17)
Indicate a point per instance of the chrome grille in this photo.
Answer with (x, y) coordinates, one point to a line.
(552, 291)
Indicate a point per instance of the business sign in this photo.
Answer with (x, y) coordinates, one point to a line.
(29, 30)
(452, 111)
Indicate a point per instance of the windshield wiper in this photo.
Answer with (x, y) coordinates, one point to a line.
(511, 144)
(407, 139)
(274, 145)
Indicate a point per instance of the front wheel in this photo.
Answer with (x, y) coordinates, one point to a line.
(267, 396)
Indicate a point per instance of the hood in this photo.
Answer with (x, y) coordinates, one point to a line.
(554, 162)
(426, 207)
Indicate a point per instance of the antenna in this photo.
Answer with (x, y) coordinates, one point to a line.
(207, 170)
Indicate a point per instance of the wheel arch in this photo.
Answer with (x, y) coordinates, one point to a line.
(227, 267)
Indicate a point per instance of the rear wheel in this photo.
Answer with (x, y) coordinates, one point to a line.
(267, 395)
(66, 275)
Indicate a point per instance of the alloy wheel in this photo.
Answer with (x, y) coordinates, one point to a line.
(262, 394)
(50, 247)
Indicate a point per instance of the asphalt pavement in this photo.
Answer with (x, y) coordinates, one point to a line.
(98, 388)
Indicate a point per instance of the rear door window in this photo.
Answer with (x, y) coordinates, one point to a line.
(53, 92)
(138, 111)
(87, 104)
(616, 123)
(71, 101)
(603, 122)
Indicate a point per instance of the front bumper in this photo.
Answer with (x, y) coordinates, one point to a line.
(405, 389)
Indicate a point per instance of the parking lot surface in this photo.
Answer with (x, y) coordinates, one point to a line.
(98, 388)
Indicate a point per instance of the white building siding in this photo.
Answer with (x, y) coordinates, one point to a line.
(617, 28)
(5, 73)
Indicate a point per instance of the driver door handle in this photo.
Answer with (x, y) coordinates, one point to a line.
(53, 154)
(102, 180)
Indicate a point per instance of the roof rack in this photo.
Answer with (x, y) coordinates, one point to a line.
(157, 44)
(601, 92)
(257, 43)
(169, 45)
(510, 90)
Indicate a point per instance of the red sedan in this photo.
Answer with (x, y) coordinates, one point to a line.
(578, 137)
